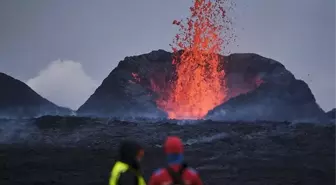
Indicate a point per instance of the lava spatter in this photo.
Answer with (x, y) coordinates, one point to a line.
(199, 84)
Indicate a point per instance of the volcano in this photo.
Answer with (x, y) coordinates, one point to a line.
(139, 83)
(196, 79)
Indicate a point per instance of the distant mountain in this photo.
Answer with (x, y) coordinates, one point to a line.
(332, 113)
(259, 88)
(18, 100)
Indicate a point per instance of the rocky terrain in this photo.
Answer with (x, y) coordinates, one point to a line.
(259, 88)
(18, 100)
(72, 150)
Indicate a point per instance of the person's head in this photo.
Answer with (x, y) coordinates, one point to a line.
(131, 152)
(173, 148)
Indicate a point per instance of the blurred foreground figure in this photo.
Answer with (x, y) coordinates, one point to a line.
(126, 170)
(177, 172)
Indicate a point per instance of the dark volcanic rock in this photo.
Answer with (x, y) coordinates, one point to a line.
(332, 114)
(280, 97)
(263, 85)
(290, 102)
(261, 153)
(18, 100)
(62, 122)
(126, 92)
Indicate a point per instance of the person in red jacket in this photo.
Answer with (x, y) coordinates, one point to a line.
(177, 172)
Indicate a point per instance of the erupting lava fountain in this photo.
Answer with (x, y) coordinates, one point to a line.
(199, 86)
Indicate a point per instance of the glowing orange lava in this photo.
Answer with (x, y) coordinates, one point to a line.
(199, 84)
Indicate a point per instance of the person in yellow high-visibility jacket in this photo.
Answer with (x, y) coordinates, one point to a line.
(126, 171)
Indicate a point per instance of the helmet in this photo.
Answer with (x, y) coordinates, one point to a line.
(173, 145)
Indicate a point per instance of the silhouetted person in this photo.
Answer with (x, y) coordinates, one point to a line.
(177, 172)
(126, 170)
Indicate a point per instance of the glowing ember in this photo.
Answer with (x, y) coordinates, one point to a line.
(136, 77)
(199, 86)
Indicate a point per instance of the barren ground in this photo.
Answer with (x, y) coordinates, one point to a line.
(223, 153)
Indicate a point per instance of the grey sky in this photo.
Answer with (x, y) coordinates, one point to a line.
(98, 34)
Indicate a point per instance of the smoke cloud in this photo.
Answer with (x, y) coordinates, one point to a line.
(65, 83)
